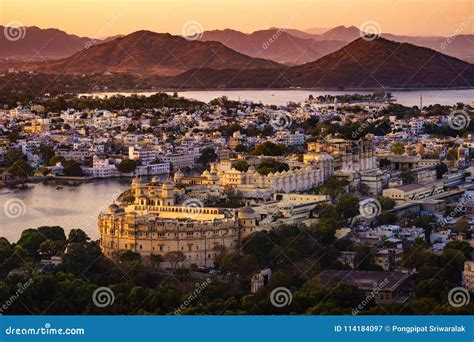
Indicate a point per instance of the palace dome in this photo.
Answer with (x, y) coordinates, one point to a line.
(246, 213)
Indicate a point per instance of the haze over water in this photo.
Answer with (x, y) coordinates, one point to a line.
(282, 97)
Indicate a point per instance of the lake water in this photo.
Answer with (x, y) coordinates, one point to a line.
(46, 205)
(282, 97)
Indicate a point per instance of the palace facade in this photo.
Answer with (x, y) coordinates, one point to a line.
(155, 224)
(254, 185)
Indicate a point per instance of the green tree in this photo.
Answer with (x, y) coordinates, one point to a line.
(269, 165)
(407, 177)
(324, 231)
(398, 148)
(269, 149)
(208, 155)
(20, 169)
(72, 168)
(240, 165)
(127, 166)
(347, 206)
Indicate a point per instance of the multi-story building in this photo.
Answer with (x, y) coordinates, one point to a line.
(155, 224)
(468, 275)
(255, 185)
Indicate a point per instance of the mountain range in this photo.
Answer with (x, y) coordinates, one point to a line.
(148, 53)
(273, 58)
(364, 63)
(41, 44)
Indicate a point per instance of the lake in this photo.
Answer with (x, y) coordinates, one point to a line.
(282, 97)
(67, 206)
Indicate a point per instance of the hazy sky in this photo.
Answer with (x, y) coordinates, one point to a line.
(99, 18)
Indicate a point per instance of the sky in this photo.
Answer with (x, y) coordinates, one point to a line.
(101, 18)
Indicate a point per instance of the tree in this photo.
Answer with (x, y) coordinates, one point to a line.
(77, 236)
(72, 168)
(127, 166)
(398, 148)
(50, 247)
(174, 258)
(55, 159)
(130, 257)
(240, 165)
(31, 240)
(441, 169)
(386, 203)
(156, 260)
(269, 165)
(234, 198)
(21, 169)
(384, 163)
(269, 149)
(54, 233)
(324, 231)
(407, 177)
(241, 148)
(347, 206)
(208, 155)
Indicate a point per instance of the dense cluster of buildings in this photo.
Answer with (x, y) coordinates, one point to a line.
(187, 212)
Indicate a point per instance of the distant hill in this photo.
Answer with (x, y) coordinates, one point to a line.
(384, 63)
(279, 45)
(379, 63)
(316, 30)
(343, 33)
(461, 46)
(147, 53)
(40, 44)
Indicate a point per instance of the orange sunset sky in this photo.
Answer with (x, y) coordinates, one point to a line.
(101, 18)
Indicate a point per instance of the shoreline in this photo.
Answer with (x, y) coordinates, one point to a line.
(169, 90)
